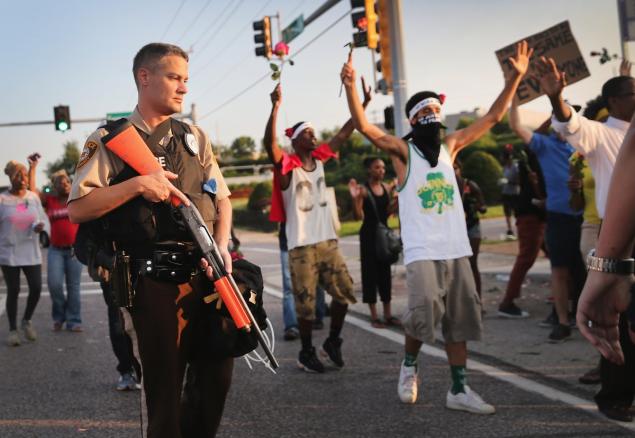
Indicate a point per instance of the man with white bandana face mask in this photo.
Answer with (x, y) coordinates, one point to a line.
(436, 247)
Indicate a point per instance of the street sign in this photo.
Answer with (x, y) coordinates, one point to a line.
(293, 30)
(115, 116)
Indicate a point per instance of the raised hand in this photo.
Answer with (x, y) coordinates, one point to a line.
(625, 68)
(33, 159)
(354, 188)
(276, 96)
(552, 80)
(520, 61)
(367, 90)
(348, 72)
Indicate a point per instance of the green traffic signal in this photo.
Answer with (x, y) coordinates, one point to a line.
(62, 116)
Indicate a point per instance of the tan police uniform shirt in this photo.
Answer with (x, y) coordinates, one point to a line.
(97, 166)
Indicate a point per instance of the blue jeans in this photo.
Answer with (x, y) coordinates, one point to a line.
(62, 264)
(288, 304)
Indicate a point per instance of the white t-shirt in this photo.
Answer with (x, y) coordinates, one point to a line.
(309, 218)
(599, 143)
(19, 244)
(431, 211)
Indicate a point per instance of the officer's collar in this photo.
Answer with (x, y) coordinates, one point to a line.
(137, 120)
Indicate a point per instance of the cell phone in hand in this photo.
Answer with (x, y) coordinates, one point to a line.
(35, 156)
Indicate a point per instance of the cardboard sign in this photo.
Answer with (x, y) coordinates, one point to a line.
(558, 43)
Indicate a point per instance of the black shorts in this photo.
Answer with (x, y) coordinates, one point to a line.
(563, 239)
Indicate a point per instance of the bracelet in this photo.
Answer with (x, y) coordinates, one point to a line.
(610, 266)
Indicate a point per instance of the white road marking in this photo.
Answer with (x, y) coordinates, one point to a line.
(496, 373)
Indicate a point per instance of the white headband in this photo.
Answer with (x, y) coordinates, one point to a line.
(299, 129)
(422, 104)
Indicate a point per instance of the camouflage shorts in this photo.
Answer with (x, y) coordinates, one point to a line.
(321, 263)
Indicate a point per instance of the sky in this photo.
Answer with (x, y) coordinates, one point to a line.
(79, 53)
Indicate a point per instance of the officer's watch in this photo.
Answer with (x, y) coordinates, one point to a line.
(610, 266)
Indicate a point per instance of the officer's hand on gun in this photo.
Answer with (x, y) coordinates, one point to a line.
(156, 187)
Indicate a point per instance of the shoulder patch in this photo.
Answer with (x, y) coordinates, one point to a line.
(89, 150)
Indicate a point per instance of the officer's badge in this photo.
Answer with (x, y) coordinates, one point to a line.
(191, 144)
(89, 150)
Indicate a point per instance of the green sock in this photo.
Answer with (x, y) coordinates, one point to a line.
(458, 378)
(410, 360)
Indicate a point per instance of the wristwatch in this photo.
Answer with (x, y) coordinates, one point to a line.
(610, 266)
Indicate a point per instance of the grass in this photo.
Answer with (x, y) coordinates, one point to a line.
(493, 211)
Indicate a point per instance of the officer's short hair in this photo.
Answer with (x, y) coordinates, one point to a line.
(151, 53)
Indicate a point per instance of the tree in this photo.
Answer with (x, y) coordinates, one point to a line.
(243, 147)
(486, 171)
(67, 161)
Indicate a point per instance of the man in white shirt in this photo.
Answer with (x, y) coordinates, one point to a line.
(441, 287)
(600, 144)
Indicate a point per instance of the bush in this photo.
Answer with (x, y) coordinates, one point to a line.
(344, 202)
(260, 197)
(485, 170)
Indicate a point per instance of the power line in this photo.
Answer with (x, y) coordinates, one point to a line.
(234, 40)
(212, 24)
(172, 21)
(265, 76)
(218, 28)
(196, 17)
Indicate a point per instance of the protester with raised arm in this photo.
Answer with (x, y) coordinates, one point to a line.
(436, 246)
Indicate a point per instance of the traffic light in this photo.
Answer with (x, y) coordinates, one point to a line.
(62, 117)
(384, 65)
(389, 118)
(263, 37)
(365, 21)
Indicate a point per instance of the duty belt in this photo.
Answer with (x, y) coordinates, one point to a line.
(174, 266)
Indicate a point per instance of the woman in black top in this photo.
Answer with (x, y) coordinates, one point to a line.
(376, 275)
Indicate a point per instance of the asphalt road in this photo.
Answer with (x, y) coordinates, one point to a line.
(63, 384)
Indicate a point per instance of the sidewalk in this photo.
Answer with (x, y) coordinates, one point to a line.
(518, 345)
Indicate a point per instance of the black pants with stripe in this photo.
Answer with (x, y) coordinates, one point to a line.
(168, 321)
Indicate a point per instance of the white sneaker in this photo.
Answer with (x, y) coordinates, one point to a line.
(13, 340)
(29, 331)
(468, 401)
(408, 382)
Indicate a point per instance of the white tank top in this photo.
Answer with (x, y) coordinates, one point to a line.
(309, 218)
(431, 211)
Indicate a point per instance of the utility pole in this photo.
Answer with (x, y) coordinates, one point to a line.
(402, 127)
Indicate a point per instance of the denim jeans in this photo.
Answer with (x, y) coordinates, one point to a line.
(63, 265)
(288, 303)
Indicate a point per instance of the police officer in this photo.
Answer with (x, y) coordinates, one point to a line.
(167, 309)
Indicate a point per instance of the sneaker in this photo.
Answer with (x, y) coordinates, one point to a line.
(512, 311)
(408, 384)
(468, 401)
(318, 324)
(13, 340)
(308, 361)
(57, 326)
(75, 328)
(29, 331)
(291, 334)
(331, 352)
(550, 321)
(560, 333)
(127, 382)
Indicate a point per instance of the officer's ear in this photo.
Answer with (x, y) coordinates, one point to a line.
(143, 77)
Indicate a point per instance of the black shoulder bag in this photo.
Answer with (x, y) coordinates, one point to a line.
(388, 244)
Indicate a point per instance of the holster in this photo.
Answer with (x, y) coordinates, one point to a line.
(121, 280)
